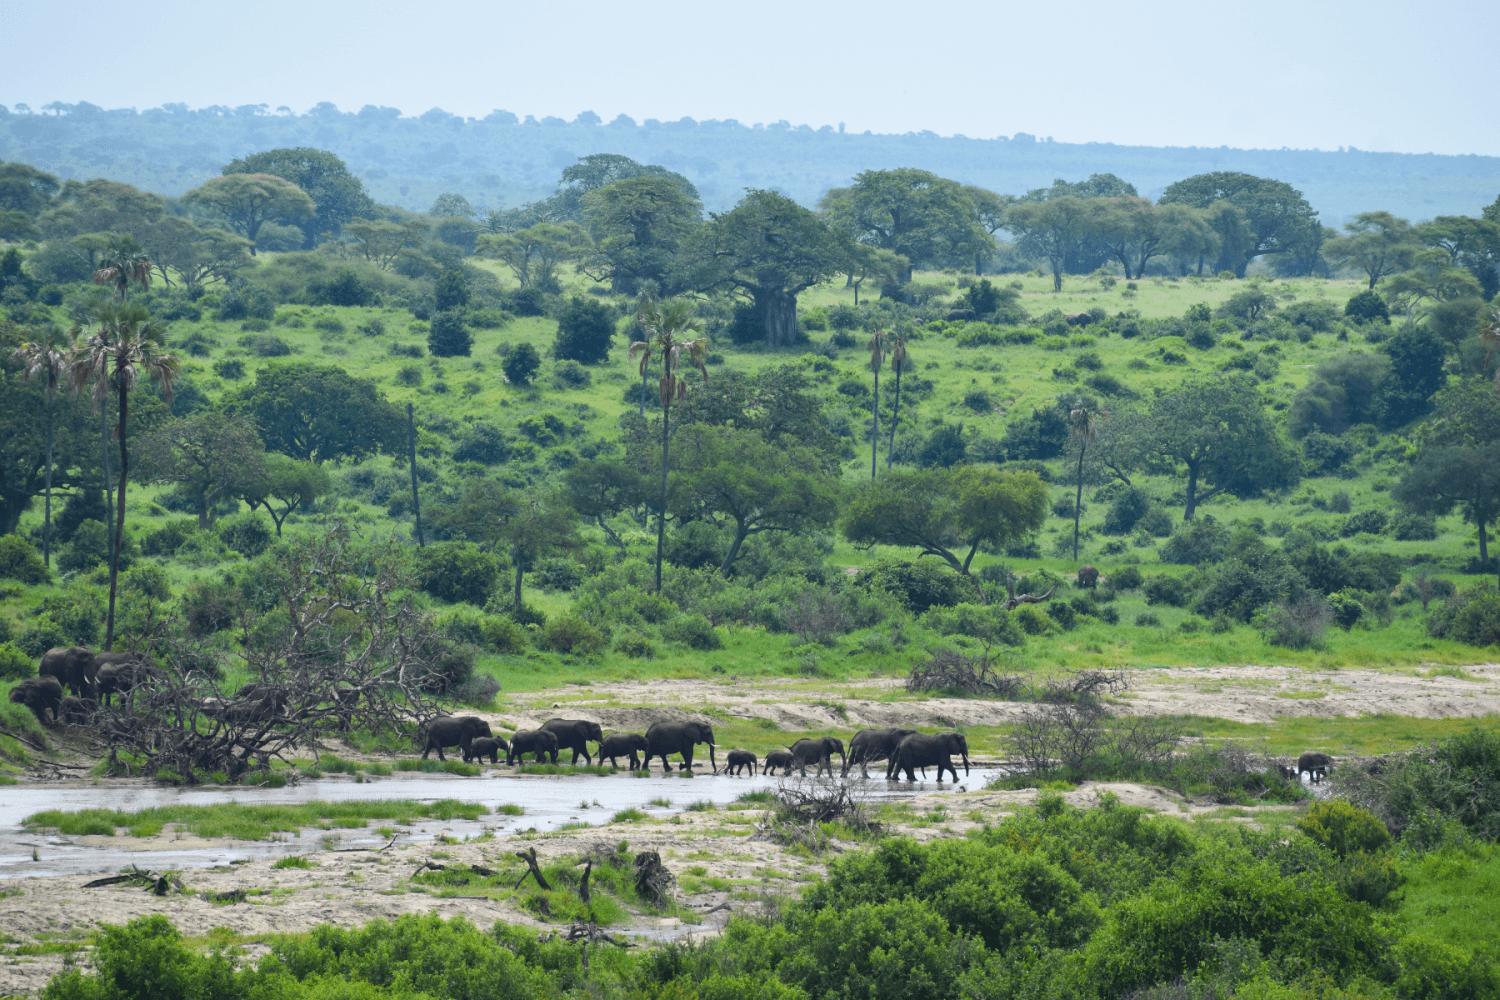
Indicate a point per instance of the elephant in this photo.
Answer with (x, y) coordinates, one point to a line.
(738, 760)
(118, 673)
(821, 750)
(1289, 773)
(574, 735)
(1314, 764)
(960, 314)
(542, 742)
(73, 666)
(1088, 577)
(874, 744)
(779, 758)
(617, 745)
(486, 746)
(77, 711)
(254, 704)
(453, 731)
(39, 694)
(679, 737)
(927, 750)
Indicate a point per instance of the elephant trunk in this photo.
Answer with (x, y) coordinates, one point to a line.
(712, 763)
(966, 765)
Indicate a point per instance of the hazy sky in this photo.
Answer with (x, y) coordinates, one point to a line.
(1410, 77)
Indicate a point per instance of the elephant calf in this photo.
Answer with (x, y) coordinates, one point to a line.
(39, 694)
(538, 741)
(929, 750)
(779, 758)
(739, 760)
(574, 735)
(118, 673)
(1314, 764)
(486, 746)
(450, 731)
(78, 711)
(617, 745)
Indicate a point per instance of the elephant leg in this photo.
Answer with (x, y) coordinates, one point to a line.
(427, 751)
(440, 753)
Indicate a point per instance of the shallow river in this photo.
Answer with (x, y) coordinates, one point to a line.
(549, 801)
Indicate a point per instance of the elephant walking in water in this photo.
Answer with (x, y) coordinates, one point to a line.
(617, 745)
(679, 737)
(820, 751)
(574, 735)
(739, 760)
(453, 732)
(874, 744)
(929, 750)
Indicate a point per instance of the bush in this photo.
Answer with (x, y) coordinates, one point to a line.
(585, 330)
(448, 336)
(166, 540)
(265, 345)
(521, 364)
(247, 534)
(557, 574)
(232, 369)
(1470, 616)
(90, 548)
(571, 375)
(1372, 521)
(19, 560)
(635, 646)
(1034, 621)
(567, 633)
(1296, 624)
(1064, 614)
(1126, 511)
(1346, 609)
(918, 585)
(41, 635)
(458, 571)
(15, 665)
(1169, 590)
(1344, 829)
(484, 443)
(1125, 578)
(502, 635)
(694, 631)
(1196, 542)
(988, 624)
(1367, 307)
(1414, 528)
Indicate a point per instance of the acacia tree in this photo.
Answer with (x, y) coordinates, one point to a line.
(989, 211)
(126, 344)
(287, 481)
(210, 453)
(943, 511)
(47, 357)
(1377, 243)
(915, 213)
(1270, 216)
(534, 255)
(601, 488)
(664, 323)
(1467, 477)
(249, 201)
(1053, 227)
(338, 196)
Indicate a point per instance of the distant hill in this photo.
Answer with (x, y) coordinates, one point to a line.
(499, 162)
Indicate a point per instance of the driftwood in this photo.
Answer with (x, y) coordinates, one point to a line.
(584, 934)
(652, 880)
(1015, 601)
(529, 856)
(947, 669)
(153, 882)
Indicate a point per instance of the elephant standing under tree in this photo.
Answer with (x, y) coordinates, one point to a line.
(73, 666)
(820, 751)
(450, 731)
(39, 694)
(929, 750)
(874, 744)
(739, 760)
(541, 742)
(679, 737)
(574, 735)
(617, 745)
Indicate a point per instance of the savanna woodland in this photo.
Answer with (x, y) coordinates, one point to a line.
(1168, 518)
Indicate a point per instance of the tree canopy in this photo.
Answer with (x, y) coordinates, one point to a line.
(248, 201)
(318, 412)
(338, 195)
(1273, 217)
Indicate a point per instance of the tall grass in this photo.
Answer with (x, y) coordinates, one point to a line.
(248, 822)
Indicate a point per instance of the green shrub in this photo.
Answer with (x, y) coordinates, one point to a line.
(1344, 829)
(41, 635)
(502, 635)
(90, 547)
(694, 631)
(166, 540)
(15, 665)
(1125, 578)
(1470, 616)
(1169, 590)
(1062, 613)
(247, 534)
(1201, 540)
(521, 364)
(1034, 621)
(585, 330)
(635, 646)
(1346, 608)
(458, 571)
(919, 585)
(567, 633)
(449, 336)
(989, 624)
(19, 560)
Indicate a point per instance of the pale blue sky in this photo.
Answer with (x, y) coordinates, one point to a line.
(1376, 75)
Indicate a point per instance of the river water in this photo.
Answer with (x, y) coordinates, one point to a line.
(549, 801)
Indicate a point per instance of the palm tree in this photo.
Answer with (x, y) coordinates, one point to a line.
(877, 358)
(898, 362)
(127, 344)
(1085, 430)
(663, 323)
(122, 262)
(47, 356)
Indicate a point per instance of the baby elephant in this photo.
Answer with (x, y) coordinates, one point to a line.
(779, 758)
(537, 741)
(1314, 764)
(620, 744)
(487, 746)
(78, 711)
(739, 760)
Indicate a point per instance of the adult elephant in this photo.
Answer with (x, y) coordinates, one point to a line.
(617, 745)
(874, 744)
(73, 666)
(119, 673)
(679, 737)
(818, 751)
(40, 694)
(929, 750)
(453, 731)
(574, 735)
(541, 742)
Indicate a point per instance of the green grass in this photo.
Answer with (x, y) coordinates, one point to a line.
(565, 769)
(1454, 896)
(248, 822)
(295, 861)
(628, 816)
(433, 766)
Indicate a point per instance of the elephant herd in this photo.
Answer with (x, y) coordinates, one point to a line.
(905, 750)
(91, 677)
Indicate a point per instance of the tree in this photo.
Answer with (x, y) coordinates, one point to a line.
(899, 360)
(1085, 430)
(1376, 243)
(534, 255)
(338, 196)
(585, 331)
(1051, 228)
(990, 211)
(126, 344)
(451, 206)
(637, 226)
(733, 477)
(1272, 218)
(382, 242)
(25, 190)
(197, 255)
(448, 336)
(122, 263)
(1218, 429)
(1467, 477)
(943, 511)
(100, 207)
(248, 201)
(521, 364)
(664, 323)
(46, 358)
(877, 361)
(1135, 231)
(1473, 244)
(528, 526)
(451, 290)
(771, 249)
(600, 170)
(1417, 356)
(26, 417)
(601, 488)
(210, 453)
(1432, 278)
(320, 412)
(915, 213)
(287, 481)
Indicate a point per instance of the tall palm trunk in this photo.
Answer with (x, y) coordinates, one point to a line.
(895, 417)
(47, 504)
(875, 428)
(1078, 499)
(114, 564)
(661, 513)
(109, 489)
